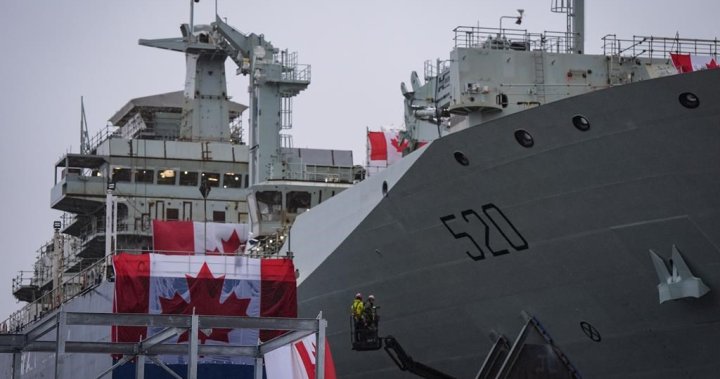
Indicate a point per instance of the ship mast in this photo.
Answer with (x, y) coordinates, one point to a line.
(575, 10)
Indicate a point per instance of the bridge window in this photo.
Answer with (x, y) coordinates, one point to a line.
(213, 179)
(298, 201)
(144, 176)
(269, 204)
(121, 175)
(231, 180)
(188, 178)
(166, 177)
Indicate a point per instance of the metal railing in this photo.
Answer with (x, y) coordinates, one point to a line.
(319, 173)
(512, 39)
(658, 47)
(71, 287)
(103, 134)
(291, 69)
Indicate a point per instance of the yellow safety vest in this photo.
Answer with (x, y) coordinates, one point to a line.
(357, 308)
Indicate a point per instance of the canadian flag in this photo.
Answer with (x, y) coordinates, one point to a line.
(689, 63)
(206, 285)
(385, 148)
(297, 360)
(188, 237)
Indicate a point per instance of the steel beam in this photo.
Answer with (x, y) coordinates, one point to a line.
(266, 323)
(11, 342)
(320, 348)
(42, 328)
(61, 335)
(131, 348)
(128, 319)
(193, 348)
(158, 339)
(117, 364)
(183, 321)
(17, 363)
(258, 368)
(140, 366)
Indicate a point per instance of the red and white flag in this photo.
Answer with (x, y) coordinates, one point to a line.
(690, 63)
(206, 285)
(385, 148)
(297, 360)
(188, 237)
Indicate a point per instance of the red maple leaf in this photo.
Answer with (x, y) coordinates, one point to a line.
(399, 146)
(205, 291)
(230, 246)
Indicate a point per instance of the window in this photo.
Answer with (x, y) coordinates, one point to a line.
(298, 201)
(121, 175)
(166, 177)
(144, 176)
(172, 214)
(188, 178)
(269, 204)
(218, 216)
(231, 180)
(213, 179)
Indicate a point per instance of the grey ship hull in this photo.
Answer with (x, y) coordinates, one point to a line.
(589, 205)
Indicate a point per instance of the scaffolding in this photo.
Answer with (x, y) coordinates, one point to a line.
(172, 325)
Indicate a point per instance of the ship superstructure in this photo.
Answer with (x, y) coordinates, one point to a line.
(178, 156)
(495, 72)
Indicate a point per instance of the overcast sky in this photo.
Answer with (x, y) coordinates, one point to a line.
(56, 51)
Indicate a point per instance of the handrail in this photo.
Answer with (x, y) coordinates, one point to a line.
(658, 47)
(70, 288)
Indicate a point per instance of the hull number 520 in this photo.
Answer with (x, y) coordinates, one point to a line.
(488, 231)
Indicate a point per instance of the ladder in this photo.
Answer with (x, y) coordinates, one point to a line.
(539, 60)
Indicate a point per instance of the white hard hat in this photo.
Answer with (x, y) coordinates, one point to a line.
(371, 297)
(358, 295)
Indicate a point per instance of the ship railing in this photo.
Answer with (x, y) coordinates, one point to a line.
(319, 173)
(22, 279)
(71, 287)
(102, 135)
(512, 39)
(291, 69)
(434, 68)
(658, 47)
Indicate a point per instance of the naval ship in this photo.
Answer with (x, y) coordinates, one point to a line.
(554, 215)
(562, 222)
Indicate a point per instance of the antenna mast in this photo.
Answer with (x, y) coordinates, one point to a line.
(575, 10)
(84, 137)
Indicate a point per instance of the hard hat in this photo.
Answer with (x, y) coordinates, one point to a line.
(371, 297)
(358, 295)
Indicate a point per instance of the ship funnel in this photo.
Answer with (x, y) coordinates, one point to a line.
(575, 10)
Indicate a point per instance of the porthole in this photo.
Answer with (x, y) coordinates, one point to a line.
(384, 188)
(461, 158)
(524, 138)
(581, 123)
(689, 100)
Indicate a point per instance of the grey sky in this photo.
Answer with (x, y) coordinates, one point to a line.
(360, 51)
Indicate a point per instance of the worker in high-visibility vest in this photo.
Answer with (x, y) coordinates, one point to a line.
(371, 317)
(357, 310)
